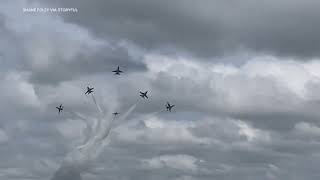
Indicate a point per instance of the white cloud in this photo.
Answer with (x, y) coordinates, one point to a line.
(251, 133)
(181, 162)
(262, 85)
(17, 90)
(161, 131)
(307, 129)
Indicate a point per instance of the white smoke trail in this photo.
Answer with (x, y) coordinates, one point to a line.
(147, 116)
(78, 115)
(97, 105)
(102, 139)
(79, 159)
(141, 117)
(105, 128)
(97, 121)
(87, 131)
(126, 114)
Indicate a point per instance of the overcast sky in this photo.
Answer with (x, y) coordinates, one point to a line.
(243, 75)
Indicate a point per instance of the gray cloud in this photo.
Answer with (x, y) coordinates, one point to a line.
(67, 173)
(254, 120)
(206, 28)
(54, 55)
(255, 92)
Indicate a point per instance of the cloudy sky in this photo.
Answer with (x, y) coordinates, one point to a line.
(244, 76)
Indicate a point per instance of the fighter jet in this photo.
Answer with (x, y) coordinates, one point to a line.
(115, 113)
(89, 90)
(144, 94)
(117, 71)
(169, 106)
(60, 108)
